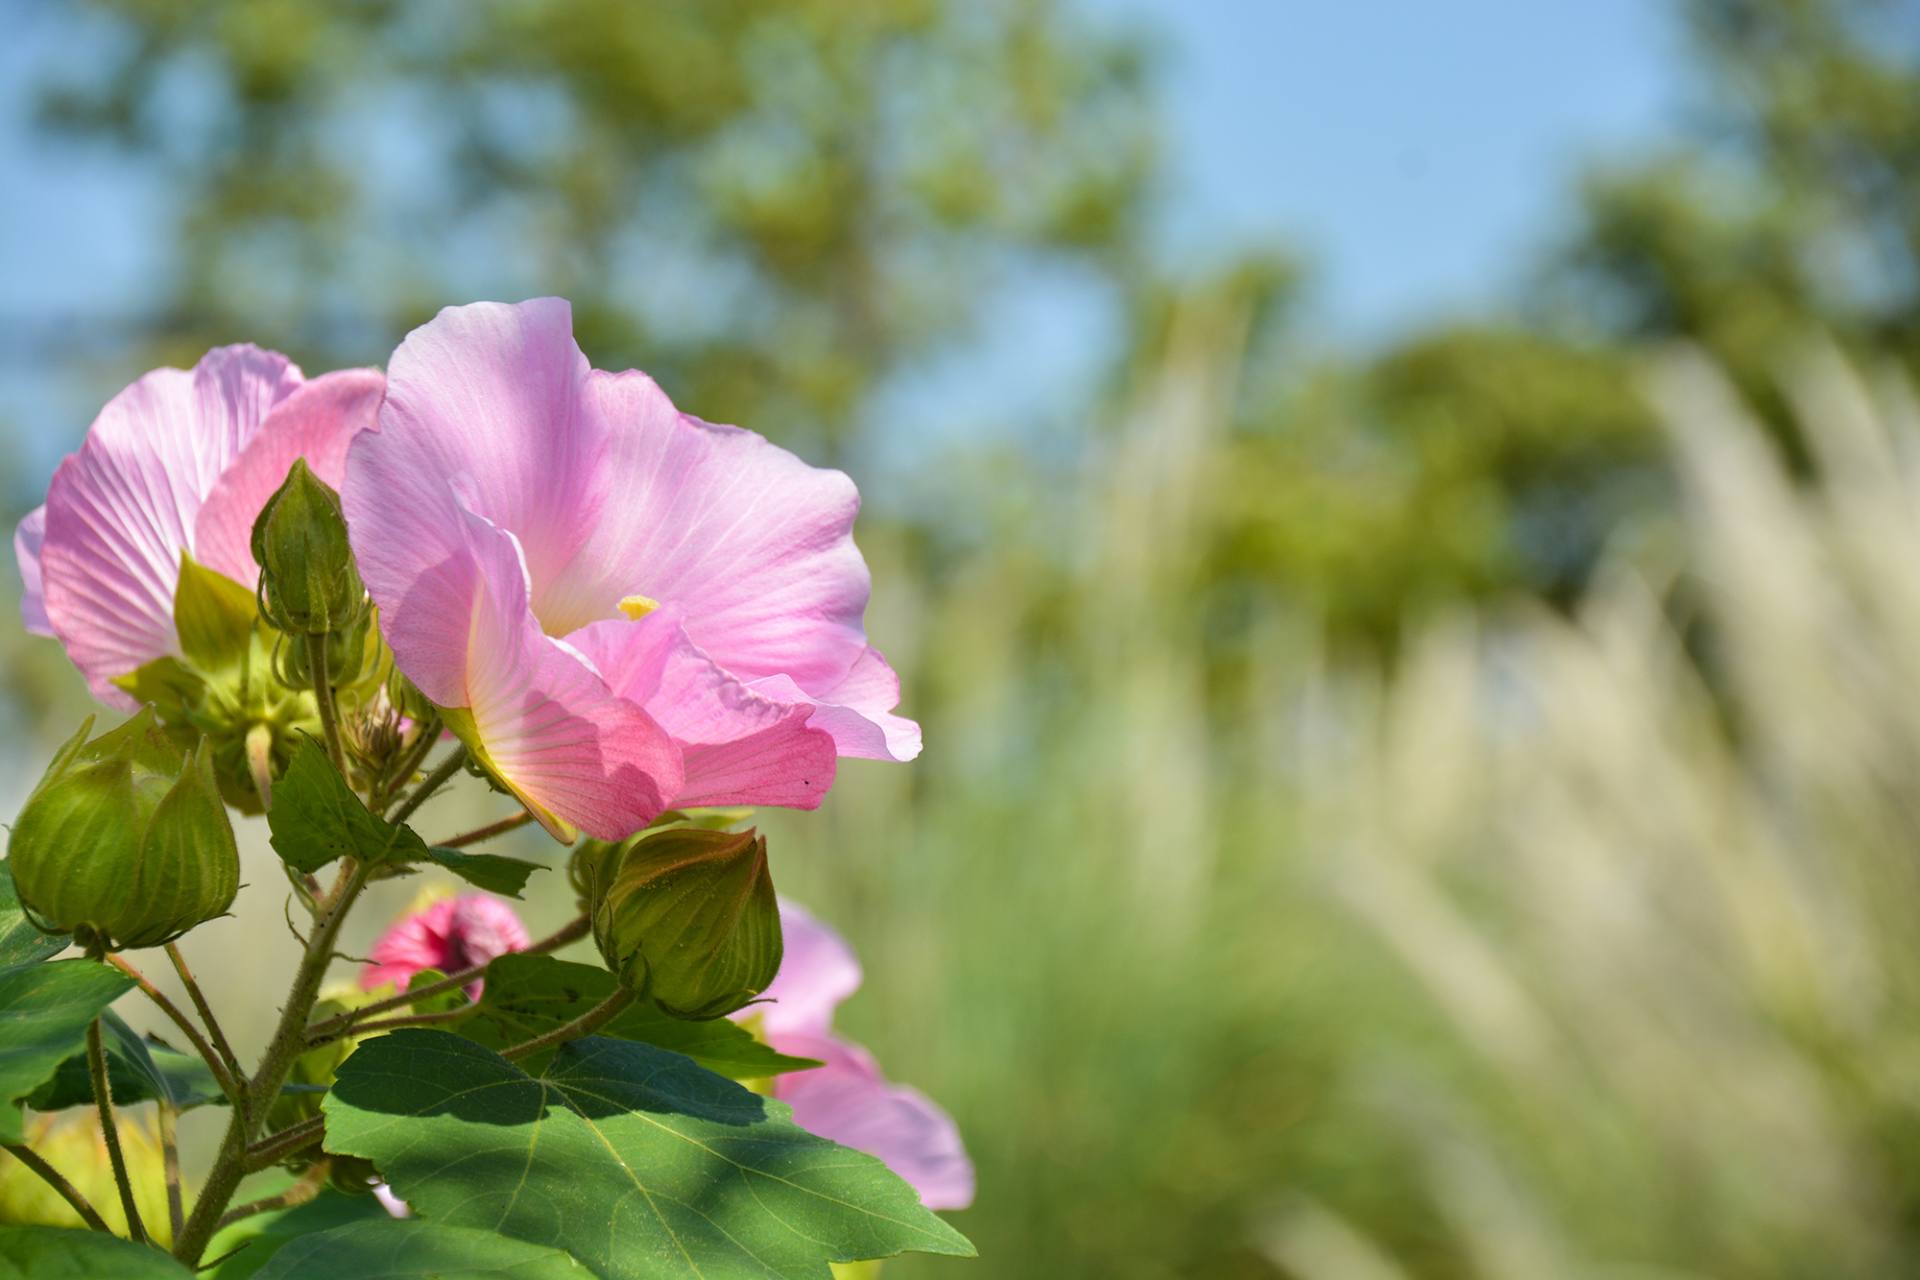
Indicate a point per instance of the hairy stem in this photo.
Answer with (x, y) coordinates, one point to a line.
(103, 1099)
(276, 1147)
(332, 1028)
(391, 1024)
(288, 1042)
(585, 1024)
(52, 1177)
(323, 700)
(309, 1185)
(165, 1116)
(489, 831)
(442, 772)
(408, 765)
(205, 1010)
(227, 1081)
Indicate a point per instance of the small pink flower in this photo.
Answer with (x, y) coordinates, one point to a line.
(847, 1099)
(620, 608)
(452, 934)
(181, 461)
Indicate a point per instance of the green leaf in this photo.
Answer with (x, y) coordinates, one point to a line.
(417, 1250)
(247, 1246)
(526, 996)
(57, 1253)
(20, 942)
(215, 617)
(632, 1159)
(489, 871)
(316, 818)
(138, 1070)
(44, 1012)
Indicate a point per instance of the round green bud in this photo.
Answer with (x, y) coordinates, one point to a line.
(687, 918)
(309, 584)
(125, 842)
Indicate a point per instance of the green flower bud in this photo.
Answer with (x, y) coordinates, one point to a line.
(125, 841)
(309, 583)
(687, 918)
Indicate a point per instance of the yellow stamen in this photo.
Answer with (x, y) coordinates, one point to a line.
(638, 607)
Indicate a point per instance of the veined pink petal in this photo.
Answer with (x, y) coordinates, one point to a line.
(737, 746)
(27, 538)
(317, 422)
(121, 511)
(857, 710)
(450, 935)
(848, 1101)
(532, 710)
(752, 543)
(817, 971)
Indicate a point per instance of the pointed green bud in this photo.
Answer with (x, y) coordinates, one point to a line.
(687, 918)
(309, 583)
(125, 842)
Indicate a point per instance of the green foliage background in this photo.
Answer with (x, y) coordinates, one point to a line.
(1187, 680)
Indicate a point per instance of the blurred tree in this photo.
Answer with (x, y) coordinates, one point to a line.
(771, 205)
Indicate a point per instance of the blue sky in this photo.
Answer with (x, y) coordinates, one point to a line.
(1415, 152)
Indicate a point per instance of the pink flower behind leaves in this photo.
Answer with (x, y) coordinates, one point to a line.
(179, 462)
(619, 607)
(452, 934)
(848, 1100)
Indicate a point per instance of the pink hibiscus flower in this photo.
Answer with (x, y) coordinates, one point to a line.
(847, 1100)
(179, 462)
(619, 608)
(452, 934)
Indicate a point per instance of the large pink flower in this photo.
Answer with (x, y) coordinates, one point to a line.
(620, 608)
(450, 935)
(178, 463)
(847, 1100)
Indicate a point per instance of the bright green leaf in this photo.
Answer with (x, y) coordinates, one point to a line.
(214, 616)
(56, 1253)
(44, 1012)
(526, 996)
(138, 1070)
(417, 1250)
(634, 1160)
(20, 942)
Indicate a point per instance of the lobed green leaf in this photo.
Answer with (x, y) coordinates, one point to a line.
(417, 1250)
(59, 1253)
(44, 1012)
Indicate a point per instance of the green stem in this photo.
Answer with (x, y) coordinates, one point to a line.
(276, 1147)
(310, 1184)
(442, 772)
(488, 832)
(323, 700)
(226, 1080)
(393, 1024)
(585, 1024)
(321, 1032)
(103, 1098)
(205, 1010)
(165, 1117)
(288, 1042)
(429, 733)
(52, 1177)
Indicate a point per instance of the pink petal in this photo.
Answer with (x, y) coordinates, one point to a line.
(535, 712)
(449, 935)
(481, 413)
(121, 511)
(27, 537)
(317, 422)
(817, 971)
(848, 1101)
(738, 746)
(752, 543)
(857, 709)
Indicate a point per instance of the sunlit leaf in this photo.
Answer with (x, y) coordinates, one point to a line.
(417, 1250)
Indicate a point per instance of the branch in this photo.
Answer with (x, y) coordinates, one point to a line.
(102, 1097)
(205, 1010)
(430, 784)
(165, 1117)
(489, 831)
(321, 1032)
(275, 1147)
(51, 1176)
(228, 1083)
(305, 1188)
(585, 1024)
(323, 702)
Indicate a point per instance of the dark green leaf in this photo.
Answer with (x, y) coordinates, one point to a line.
(138, 1070)
(20, 942)
(526, 996)
(634, 1160)
(55, 1253)
(259, 1238)
(44, 1012)
(417, 1250)
(489, 871)
(316, 817)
